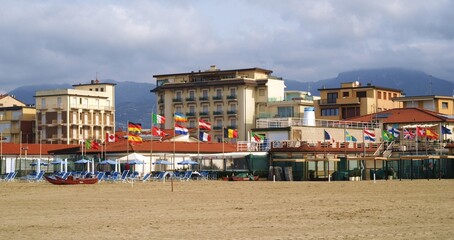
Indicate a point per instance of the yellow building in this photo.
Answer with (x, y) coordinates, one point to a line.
(17, 124)
(73, 115)
(225, 98)
(292, 106)
(352, 100)
(440, 104)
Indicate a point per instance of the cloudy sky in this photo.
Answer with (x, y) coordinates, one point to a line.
(72, 41)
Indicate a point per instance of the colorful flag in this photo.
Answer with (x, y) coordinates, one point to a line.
(158, 119)
(181, 130)
(178, 117)
(204, 125)
(134, 138)
(257, 138)
(230, 133)
(110, 137)
(445, 130)
(408, 134)
(204, 137)
(134, 127)
(87, 144)
(386, 136)
(420, 132)
(431, 134)
(328, 136)
(394, 132)
(350, 138)
(369, 135)
(94, 145)
(158, 132)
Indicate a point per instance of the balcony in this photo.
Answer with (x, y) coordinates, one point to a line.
(231, 112)
(190, 114)
(327, 102)
(231, 97)
(217, 113)
(177, 100)
(347, 101)
(217, 128)
(57, 106)
(190, 99)
(161, 101)
(203, 99)
(217, 98)
(203, 113)
(232, 127)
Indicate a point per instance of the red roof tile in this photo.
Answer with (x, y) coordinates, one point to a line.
(404, 115)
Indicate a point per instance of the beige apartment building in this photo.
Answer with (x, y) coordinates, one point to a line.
(225, 98)
(17, 124)
(440, 104)
(9, 101)
(291, 106)
(352, 100)
(73, 115)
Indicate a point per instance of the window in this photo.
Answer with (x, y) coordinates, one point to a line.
(219, 92)
(330, 112)
(378, 94)
(178, 109)
(285, 111)
(205, 93)
(345, 94)
(395, 95)
(191, 94)
(232, 92)
(332, 97)
(205, 108)
(384, 95)
(192, 123)
(389, 96)
(178, 95)
(219, 123)
(43, 103)
(102, 89)
(232, 122)
(444, 105)
(261, 92)
(361, 94)
(219, 107)
(96, 89)
(192, 109)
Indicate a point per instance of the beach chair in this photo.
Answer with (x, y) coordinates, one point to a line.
(113, 177)
(124, 176)
(37, 178)
(146, 177)
(65, 175)
(7, 177)
(158, 176)
(204, 175)
(187, 176)
(100, 176)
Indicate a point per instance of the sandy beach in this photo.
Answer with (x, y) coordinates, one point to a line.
(229, 210)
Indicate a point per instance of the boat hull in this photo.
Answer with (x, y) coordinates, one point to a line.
(70, 180)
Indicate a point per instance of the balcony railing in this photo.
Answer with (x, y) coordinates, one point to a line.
(216, 113)
(231, 112)
(190, 114)
(203, 113)
(217, 98)
(177, 100)
(231, 97)
(203, 98)
(190, 99)
(327, 101)
(217, 128)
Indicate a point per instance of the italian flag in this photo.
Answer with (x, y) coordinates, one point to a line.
(158, 119)
(257, 138)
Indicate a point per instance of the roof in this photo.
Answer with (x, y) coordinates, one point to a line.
(216, 72)
(404, 115)
(423, 97)
(361, 87)
(35, 149)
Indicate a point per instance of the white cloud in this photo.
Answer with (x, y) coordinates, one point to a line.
(54, 41)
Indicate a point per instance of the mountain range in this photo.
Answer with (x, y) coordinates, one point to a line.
(135, 102)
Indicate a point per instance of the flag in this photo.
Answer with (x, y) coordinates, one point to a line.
(155, 131)
(178, 117)
(328, 136)
(204, 125)
(394, 132)
(349, 137)
(134, 127)
(431, 134)
(369, 135)
(181, 130)
(204, 137)
(257, 138)
(408, 134)
(386, 136)
(134, 138)
(87, 144)
(230, 133)
(445, 130)
(110, 137)
(420, 132)
(94, 145)
(158, 119)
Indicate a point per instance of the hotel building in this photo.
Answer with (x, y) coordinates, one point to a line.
(73, 115)
(225, 98)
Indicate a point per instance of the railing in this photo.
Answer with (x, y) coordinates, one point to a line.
(190, 99)
(203, 113)
(327, 101)
(203, 98)
(231, 112)
(217, 98)
(190, 114)
(246, 146)
(288, 122)
(216, 113)
(231, 97)
(177, 100)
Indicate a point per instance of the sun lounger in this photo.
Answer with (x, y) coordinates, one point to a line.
(100, 176)
(146, 177)
(113, 177)
(187, 176)
(37, 178)
(10, 177)
(124, 176)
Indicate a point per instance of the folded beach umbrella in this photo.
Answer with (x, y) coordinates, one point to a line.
(135, 161)
(82, 161)
(163, 162)
(108, 161)
(35, 163)
(188, 162)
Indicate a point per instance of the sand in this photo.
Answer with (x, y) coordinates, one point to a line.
(417, 209)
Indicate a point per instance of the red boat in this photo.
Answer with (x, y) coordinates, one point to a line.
(70, 180)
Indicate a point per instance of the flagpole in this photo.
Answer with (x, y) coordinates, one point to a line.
(198, 141)
(151, 140)
(417, 133)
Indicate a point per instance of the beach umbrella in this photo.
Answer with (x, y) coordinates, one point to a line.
(136, 161)
(105, 162)
(188, 162)
(58, 161)
(162, 162)
(84, 161)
